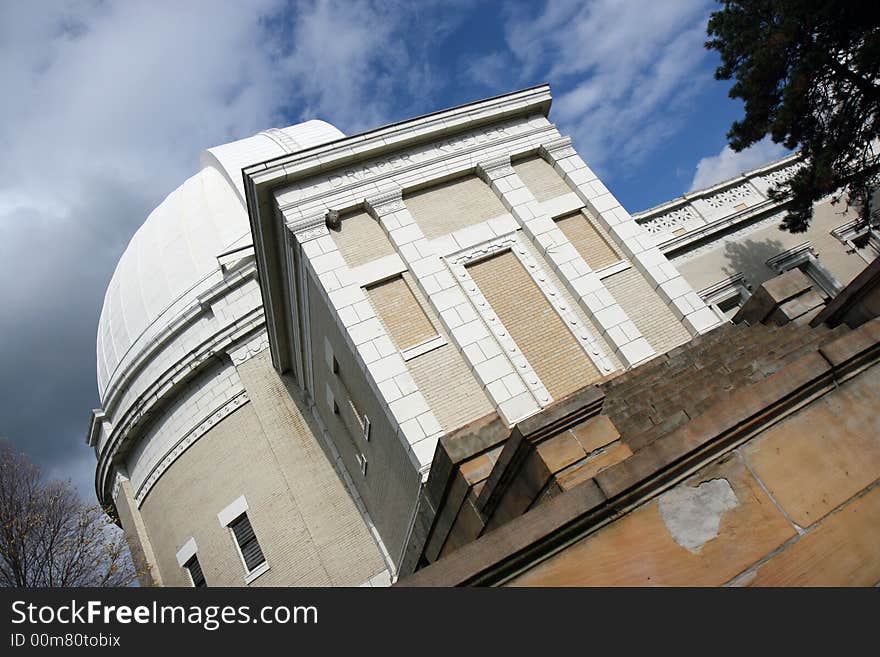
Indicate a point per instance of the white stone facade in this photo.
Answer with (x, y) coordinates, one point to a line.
(185, 316)
(376, 171)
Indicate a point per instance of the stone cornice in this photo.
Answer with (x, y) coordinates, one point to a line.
(120, 382)
(557, 148)
(309, 227)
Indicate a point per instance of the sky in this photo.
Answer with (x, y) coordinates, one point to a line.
(107, 105)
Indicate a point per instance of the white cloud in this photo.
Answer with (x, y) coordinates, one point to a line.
(729, 164)
(489, 69)
(627, 68)
(106, 107)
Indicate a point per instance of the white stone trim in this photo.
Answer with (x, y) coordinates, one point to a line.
(232, 511)
(381, 362)
(135, 388)
(581, 281)
(638, 246)
(558, 207)
(614, 268)
(804, 256)
(187, 552)
(423, 348)
(432, 274)
(118, 479)
(260, 570)
(378, 270)
(850, 231)
(247, 350)
(494, 366)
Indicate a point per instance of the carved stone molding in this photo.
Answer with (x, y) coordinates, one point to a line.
(184, 443)
(669, 221)
(557, 148)
(309, 227)
(385, 203)
(497, 167)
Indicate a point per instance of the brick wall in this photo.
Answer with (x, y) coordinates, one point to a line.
(540, 177)
(442, 209)
(584, 234)
(308, 528)
(361, 239)
(401, 314)
(445, 378)
(570, 302)
(390, 487)
(798, 505)
(646, 309)
(539, 332)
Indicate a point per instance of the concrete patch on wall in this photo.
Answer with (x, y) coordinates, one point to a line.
(693, 514)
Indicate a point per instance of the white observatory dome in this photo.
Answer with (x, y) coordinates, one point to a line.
(173, 255)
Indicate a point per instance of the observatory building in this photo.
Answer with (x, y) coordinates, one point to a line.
(294, 331)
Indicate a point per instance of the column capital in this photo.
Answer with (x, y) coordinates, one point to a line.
(556, 149)
(495, 168)
(307, 227)
(385, 202)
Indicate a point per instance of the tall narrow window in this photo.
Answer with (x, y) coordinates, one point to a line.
(195, 571)
(247, 542)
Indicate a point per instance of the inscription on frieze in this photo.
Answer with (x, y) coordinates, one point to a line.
(379, 167)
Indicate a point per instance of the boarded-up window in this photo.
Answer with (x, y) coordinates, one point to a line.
(401, 313)
(541, 178)
(538, 330)
(594, 247)
(445, 208)
(360, 239)
(655, 321)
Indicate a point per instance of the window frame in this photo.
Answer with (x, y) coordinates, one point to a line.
(188, 567)
(227, 517)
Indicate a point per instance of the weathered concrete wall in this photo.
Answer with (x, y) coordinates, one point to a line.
(797, 505)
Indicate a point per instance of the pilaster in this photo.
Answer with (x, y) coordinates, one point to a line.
(381, 362)
(639, 246)
(600, 306)
(492, 362)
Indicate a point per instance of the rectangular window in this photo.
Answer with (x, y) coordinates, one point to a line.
(247, 542)
(362, 462)
(195, 571)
